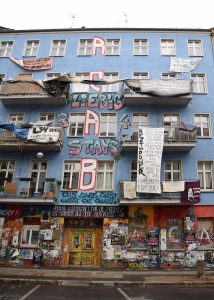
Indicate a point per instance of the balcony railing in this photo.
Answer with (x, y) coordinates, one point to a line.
(23, 190)
(157, 92)
(10, 142)
(176, 138)
(163, 198)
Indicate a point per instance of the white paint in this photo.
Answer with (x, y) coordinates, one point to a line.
(29, 293)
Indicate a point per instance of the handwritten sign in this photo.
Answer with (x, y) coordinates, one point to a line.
(150, 147)
(76, 211)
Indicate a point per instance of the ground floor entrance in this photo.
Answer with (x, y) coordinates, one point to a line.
(83, 244)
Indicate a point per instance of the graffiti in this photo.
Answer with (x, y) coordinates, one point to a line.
(75, 197)
(93, 100)
(90, 211)
(98, 43)
(124, 121)
(62, 120)
(100, 76)
(98, 146)
(88, 172)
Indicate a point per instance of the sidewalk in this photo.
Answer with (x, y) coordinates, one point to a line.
(103, 277)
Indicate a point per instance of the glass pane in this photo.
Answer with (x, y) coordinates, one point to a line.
(34, 237)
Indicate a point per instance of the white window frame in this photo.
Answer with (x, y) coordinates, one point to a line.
(53, 75)
(199, 84)
(31, 46)
(113, 47)
(85, 47)
(142, 48)
(81, 87)
(38, 182)
(141, 75)
(167, 47)
(110, 88)
(6, 47)
(47, 117)
(203, 123)
(102, 173)
(172, 171)
(169, 76)
(107, 123)
(16, 118)
(205, 172)
(71, 167)
(58, 47)
(8, 170)
(195, 48)
(139, 119)
(77, 121)
(30, 228)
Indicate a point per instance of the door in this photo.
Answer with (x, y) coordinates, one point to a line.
(82, 246)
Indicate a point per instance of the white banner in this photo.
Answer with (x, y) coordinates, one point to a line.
(129, 189)
(183, 64)
(173, 186)
(44, 134)
(150, 148)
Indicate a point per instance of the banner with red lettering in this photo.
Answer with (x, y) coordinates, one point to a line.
(36, 64)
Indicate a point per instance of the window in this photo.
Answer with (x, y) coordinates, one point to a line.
(134, 170)
(52, 75)
(17, 118)
(170, 122)
(199, 83)
(141, 47)
(195, 48)
(38, 175)
(138, 119)
(110, 88)
(141, 75)
(167, 47)
(31, 48)
(47, 117)
(58, 48)
(5, 49)
(202, 122)
(76, 127)
(85, 47)
(105, 175)
(81, 87)
(112, 47)
(30, 235)
(6, 171)
(168, 76)
(205, 175)
(108, 123)
(172, 170)
(71, 172)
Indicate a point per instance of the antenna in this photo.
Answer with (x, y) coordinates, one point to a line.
(126, 18)
(72, 16)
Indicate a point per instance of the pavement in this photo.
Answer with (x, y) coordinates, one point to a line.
(82, 276)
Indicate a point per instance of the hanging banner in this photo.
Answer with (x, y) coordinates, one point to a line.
(44, 134)
(129, 189)
(192, 192)
(34, 64)
(183, 64)
(150, 148)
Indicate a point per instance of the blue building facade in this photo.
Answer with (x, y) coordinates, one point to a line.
(106, 147)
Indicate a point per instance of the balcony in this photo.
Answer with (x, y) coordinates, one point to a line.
(29, 93)
(158, 92)
(177, 138)
(10, 142)
(22, 190)
(171, 197)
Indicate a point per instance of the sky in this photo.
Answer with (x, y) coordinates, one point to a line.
(53, 14)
